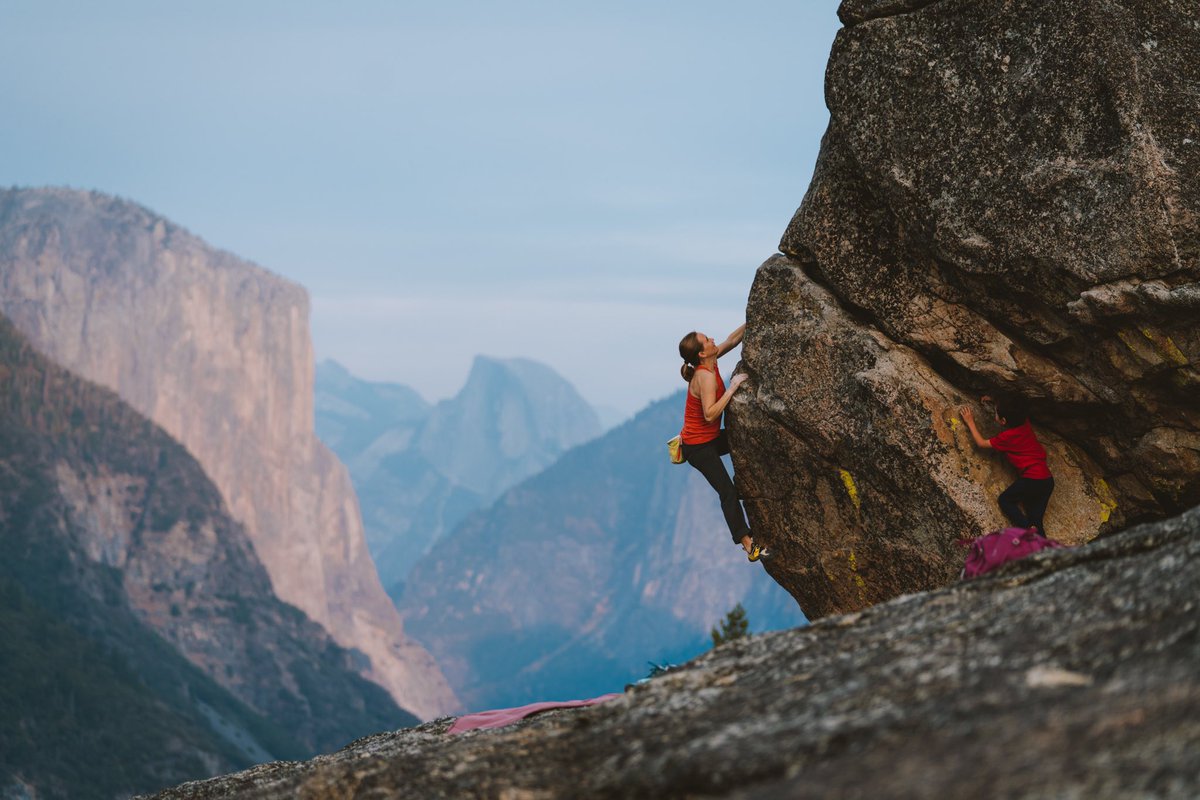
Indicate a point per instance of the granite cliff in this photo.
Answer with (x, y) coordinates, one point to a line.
(142, 643)
(1007, 199)
(1069, 674)
(216, 351)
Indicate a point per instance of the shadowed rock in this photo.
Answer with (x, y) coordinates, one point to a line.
(1006, 200)
(1069, 674)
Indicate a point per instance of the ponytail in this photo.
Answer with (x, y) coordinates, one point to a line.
(689, 351)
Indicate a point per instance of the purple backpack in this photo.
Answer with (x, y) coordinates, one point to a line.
(997, 549)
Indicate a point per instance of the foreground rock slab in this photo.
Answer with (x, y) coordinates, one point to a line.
(1070, 674)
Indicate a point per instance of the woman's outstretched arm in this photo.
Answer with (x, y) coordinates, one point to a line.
(968, 417)
(709, 404)
(732, 341)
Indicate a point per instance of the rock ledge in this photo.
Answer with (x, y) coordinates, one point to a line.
(1072, 673)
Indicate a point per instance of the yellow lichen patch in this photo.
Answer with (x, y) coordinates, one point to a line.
(1166, 347)
(1142, 343)
(1108, 503)
(954, 423)
(1129, 341)
(858, 579)
(851, 489)
(1173, 352)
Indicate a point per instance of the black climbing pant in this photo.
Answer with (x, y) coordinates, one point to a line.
(707, 458)
(1034, 495)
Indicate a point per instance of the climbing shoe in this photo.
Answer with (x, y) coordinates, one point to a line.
(757, 552)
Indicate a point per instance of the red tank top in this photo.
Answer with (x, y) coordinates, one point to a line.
(1023, 449)
(695, 429)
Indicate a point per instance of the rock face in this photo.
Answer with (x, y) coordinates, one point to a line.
(419, 472)
(1069, 674)
(142, 643)
(575, 578)
(1007, 199)
(217, 352)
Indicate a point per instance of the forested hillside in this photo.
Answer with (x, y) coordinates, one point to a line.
(140, 642)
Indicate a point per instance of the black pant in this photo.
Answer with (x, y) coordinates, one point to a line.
(1034, 494)
(707, 458)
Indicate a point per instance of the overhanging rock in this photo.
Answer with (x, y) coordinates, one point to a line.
(1007, 200)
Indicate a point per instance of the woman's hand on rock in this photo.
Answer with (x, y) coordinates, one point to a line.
(738, 380)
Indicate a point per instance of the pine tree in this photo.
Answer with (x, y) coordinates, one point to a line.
(734, 626)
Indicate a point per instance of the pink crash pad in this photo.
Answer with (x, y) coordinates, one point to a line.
(507, 716)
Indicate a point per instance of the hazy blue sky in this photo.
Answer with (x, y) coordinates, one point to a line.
(575, 183)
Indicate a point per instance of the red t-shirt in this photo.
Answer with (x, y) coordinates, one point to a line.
(1023, 450)
(695, 429)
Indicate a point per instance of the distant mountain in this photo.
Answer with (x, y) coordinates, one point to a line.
(217, 352)
(351, 414)
(610, 417)
(419, 471)
(572, 580)
(141, 641)
(511, 419)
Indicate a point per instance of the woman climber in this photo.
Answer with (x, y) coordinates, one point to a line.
(704, 442)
